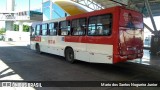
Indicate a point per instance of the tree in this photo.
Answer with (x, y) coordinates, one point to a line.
(25, 28)
(2, 31)
(16, 27)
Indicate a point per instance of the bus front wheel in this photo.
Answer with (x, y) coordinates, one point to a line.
(69, 55)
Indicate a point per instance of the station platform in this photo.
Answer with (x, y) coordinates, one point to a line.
(148, 59)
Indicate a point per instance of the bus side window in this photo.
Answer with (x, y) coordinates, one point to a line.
(53, 28)
(107, 24)
(44, 29)
(38, 29)
(64, 28)
(32, 33)
(100, 25)
(79, 26)
(92, 26)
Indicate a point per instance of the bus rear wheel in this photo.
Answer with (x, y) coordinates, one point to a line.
(38, 49)
(69, 55)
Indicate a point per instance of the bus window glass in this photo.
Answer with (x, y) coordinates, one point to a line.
(38, 30)
(53, 29)
(82, 26)
(92, 26)
(100, 25)
(44, 29)
(32, 31)
(64, 28)
(79, 27)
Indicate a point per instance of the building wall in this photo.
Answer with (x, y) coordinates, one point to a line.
(9, 25)
(10, 5)
(17, 36)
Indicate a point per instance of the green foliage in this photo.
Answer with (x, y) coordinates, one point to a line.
(16, 27)
(25, 28)
(2, 31)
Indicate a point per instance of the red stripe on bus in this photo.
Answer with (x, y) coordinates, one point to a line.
(37, 38)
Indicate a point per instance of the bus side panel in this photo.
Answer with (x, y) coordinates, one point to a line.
(100, 49)
(80, 51)
(100, 53)
(82, 55)
(52, 45)
(44, 44)
(61, 45)
(78, 44)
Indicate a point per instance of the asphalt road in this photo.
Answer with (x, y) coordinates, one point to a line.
(21, 63)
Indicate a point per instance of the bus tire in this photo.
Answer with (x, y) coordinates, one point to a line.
(69, 55)
(38, 49)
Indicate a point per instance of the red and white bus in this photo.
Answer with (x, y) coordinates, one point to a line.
(110, 36)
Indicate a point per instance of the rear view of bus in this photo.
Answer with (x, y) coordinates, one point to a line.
(130, 35)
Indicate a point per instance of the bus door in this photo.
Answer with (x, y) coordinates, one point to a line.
(131, 34)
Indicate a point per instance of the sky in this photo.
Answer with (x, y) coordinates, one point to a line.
(20, 5)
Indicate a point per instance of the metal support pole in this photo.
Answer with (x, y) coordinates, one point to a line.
(152, 31)
(121, 3)
(51, 12)
(151, 15)
(29, 5)
(42, 6)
